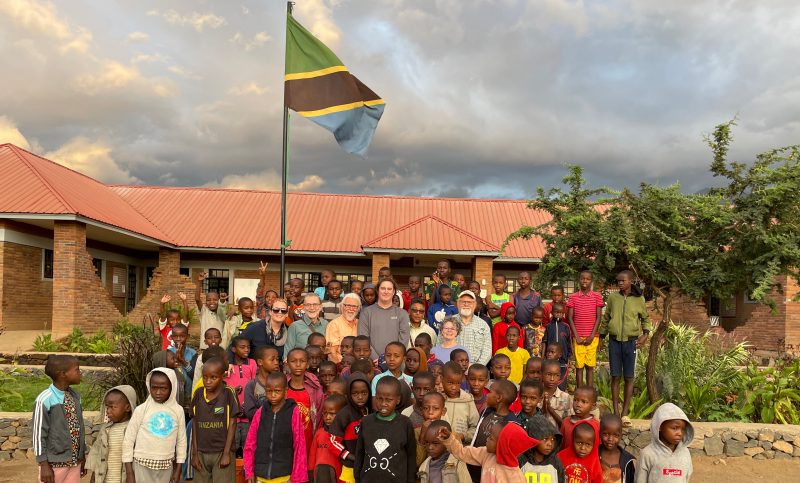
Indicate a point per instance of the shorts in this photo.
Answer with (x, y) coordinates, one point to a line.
(586, 355)
(65, 474)
(622, 357)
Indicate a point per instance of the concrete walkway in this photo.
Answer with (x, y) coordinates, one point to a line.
(18, 340)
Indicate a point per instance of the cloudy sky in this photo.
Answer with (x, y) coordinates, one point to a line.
(484, 98)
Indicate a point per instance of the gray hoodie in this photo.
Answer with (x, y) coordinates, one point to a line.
(97, 461)
(657, 462)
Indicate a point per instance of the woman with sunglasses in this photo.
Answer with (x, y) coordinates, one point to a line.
(269, 332)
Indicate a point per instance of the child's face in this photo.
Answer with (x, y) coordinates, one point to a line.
(533, 370)
(117, 407)
(329, 410)
(553, 352)
(246, 308)
(212, 338)
(524, 280)
(445, 295)
(269, 361)
(493, 311)
(511, 314)
(314, 357)
(462, 360)
(171, 362)
(537, 316)
(546, 445)
(499, 284)
(585, 281)
(386, 400)
(356, 287)
(423, 344)
(414, 284)
(271, 297)
(412, 362)
(347, 361)
(552, 376)
(296, 287)
(72, 376)
(334, 291)
(359, 393)
(582, 443)
(501, 368)
(494, 397)
(326, 278)
(432, 408)
(275, 392)
(421, 387)
(346, 347)
(369, 296)
(173, 318)
(475, 288)
(582, 403)
(459, 279)
(160, 387)
(443, 269)
(451, 383)
(558, 313)
(610, 434)
(557, 295)
(361, 349)
(394, 357)
(671, 432)
(298, 363)
(433, 447)
(212, 377)
(477, 380)
(179, 336)
(491, 442)
(436, 370)
(326, 375)
(623, 282)
(337, 387)
(416, 313)
(384, 274)
(529, 399)
(512, 336)
(212, 301)
(242, 349)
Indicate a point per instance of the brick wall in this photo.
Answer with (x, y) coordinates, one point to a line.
(26, 299)
(379, 260)
(166, 280)
(79, 298)
(482, 271)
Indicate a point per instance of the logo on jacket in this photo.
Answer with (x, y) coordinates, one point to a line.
(672, 472)
(161, 424)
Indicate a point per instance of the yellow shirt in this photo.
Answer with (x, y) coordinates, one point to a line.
(518, 358)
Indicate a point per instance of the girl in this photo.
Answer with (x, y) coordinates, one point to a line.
(415, 361)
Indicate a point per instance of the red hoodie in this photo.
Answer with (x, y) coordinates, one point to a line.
(581, 470)
(503, 466)
(499, 330)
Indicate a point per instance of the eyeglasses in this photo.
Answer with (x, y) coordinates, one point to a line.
(418, 311)
(448, 328)
(280, 311)
(311, 306)
(350, 306)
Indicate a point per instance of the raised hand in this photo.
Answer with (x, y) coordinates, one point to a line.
(166, 298)
(182, 296)
(443, 434)
(262, 268)
(202, 276)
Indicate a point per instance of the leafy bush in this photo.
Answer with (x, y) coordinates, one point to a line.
(75, 341)
(136, 345)
(7, 394)
(45, 343)
(100, 344)
(772, 395)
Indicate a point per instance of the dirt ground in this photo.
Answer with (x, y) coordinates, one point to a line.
(734, 470)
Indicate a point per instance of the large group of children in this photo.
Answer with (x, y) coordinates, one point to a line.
(422, 411)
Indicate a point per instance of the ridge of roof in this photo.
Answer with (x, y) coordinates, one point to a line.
(15, 149)
(433, 218)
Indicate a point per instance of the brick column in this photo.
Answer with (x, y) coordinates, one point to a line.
(482, 268)
(378, 260)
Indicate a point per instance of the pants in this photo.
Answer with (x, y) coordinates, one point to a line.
(65, 474)
(211, 472)
(146, 475)
(242, 428)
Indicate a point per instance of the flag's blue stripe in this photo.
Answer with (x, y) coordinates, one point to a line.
(353, 129)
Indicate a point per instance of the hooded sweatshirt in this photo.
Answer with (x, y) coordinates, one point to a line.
(502, 467)
(657, 462)
(267, 454)
(499, 330)
(157, 431)
(101, 455)
(462, 414)
(627, 465)
(346, 426)
(582, 470)
(539, 428)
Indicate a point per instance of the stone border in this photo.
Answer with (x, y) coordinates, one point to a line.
(39, 358)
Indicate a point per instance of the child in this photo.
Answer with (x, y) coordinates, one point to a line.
(667, 456)
(337, 386)
(440, 465)
(105, 457)
(346, 347)
(584, 309)
(534, 333)
(525, 299)
(154, 447)
(508, 314)
(332, 300)
(581, 463)
(305, 390)
(185, 356)
(461, 412)
(555, 403)
(558, 333)
(326, 374)
(531, 392)
(617, 464)
(541, 463)
(347, 423)
(415, 362)
(499, 458)
(461, 282)
(322, 460)
(501, 394)
(169, 317)
(556, 297)
(368, 295)
(356, 286)
(432, 410)
(413, 292)
(424, 341)
(183, 393)
(584, 400)
(214, 411)
(460, 357)
(213, 312)
(416, 321)
(441, 309)
(437, 368)
(346, 364)
(477, 377)
(315, 357)
(422, 383)
(267, 458)
(255, 392)
(386, 446)
(362, 348)
(58, 433)
(493, 312)
(517, 357)
(533, 368)
(242, 372)
(236, 324)
(441, 276)
(499, 296)
(211, 338)
(325, 278)
(395, 354)
(500, 365)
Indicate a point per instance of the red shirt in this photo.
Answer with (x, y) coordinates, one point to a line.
(584, 310)
(408, 297)
(324, 453)
(581, 470)
(568, 425)
(499, 335)
(303, 401)
(548, 312)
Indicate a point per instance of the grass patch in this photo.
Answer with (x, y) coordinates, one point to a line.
(30, 386)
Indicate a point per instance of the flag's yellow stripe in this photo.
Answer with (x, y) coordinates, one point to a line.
(315, 73)
(341, 107)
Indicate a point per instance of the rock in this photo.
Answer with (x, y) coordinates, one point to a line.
(727, 436)
(25, 443)
(708, 433)
(15, 424)
(753, 443)
(713, 446)
(14, 439)
(751, 433)
(720, 462)
(796, 442)
(8, 431)
(759, 457)
(769, 454)
(766, 445)
(25, 432)
(788, 437)
(782, 456)
(4, 423)
(756, 450)
(734, 448)
(697, 443)
(796, 453)
(766, 436)
(29, 454)
(5, 456)
(642, 440)
(7, 446)
(740, 437)
(783, 446)
(19, 455)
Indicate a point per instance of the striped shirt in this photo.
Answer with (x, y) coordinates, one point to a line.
(584, 310)
(330, 309)
(116, 433)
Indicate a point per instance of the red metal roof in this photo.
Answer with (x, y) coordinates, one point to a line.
(433, 234)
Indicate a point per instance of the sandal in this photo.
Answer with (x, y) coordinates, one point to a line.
(626, 422)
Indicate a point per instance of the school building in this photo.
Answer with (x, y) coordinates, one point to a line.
(75, 252)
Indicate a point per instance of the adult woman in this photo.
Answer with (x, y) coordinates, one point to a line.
(272, 332)
(451, 329)
(383, 322)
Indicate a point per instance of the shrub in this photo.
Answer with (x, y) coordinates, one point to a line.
(136, 345)
(45, 343)
(772, 395)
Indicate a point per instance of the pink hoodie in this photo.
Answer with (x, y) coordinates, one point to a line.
(300, 463)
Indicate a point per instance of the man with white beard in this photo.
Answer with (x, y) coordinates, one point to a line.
(343, 326)
(475, 336)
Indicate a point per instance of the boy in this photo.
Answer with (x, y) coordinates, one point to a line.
(322, 460)
(508, 314)
(315, 357)
(461, 412)
(493, 312)
(213, 312)
(531, 392)
(555, 403)
(169, 317)
(424, 341)
(667, 457)
(242, 372)
(105, 457)
(460, 281)
(501, 368)
(501, 395)
(356, 286)
(326, 374)
(556, 297)
(525, 299)
(346, 347)
(267, 360)
(347, 423)
(558, 333)
(441, 309)
(325, 278)
(617, 464)
(499, 296)
(212, 337)
(477, 377)
(236, 324)
(460, 357)
(332, 300)
(154, 447)
(584, 309)
(584, 401)
(317, 339)
(441, 276)
(413, 292)
(440, 465)
(346, 364)
(58, 433)
(386, 446)
(480, 306)
(533, 368)
(627, 324)
(534, 333)
(581, 463)
(542, 464)
(306, 391)
(517, 357)
(214, 410)
(432, 410)
(416, 321)
(395, 354)
(421, 384)
(337, 386)
(361, 347)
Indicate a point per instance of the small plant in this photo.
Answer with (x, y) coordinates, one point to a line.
(45, 343)
(136, 345)
(8, 395)
(641, 407)
(772, 395)
(100, 344)
(698, 398)
(75, 341)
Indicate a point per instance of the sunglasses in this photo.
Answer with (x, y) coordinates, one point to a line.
(280, 311)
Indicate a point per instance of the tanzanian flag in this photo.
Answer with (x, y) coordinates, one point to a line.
(319, 87)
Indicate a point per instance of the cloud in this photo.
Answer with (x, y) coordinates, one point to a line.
(183, 72)
(138, 37)
(199, 21)
(268, 180)
(317, 16)
(10, 134)
(42, 18)
(92, 158)
(147, 58)
(248, 88)
(114, 76)
(258, 40)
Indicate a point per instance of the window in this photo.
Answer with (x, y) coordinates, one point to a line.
(722, 308)
(217, 280)
(569, 287)
(511, 285)
(47, 264)
(346, 278)
(310, 279)
(98, 267)
(185, 271)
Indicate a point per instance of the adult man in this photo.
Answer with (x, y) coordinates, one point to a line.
(312, 321)
(342, 326)
(383, 322)
(475, 336)
(441, 276)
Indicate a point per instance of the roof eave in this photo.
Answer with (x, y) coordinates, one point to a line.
(269, 251)
(474, 253)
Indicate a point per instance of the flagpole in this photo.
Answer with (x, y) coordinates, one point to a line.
(284, 171)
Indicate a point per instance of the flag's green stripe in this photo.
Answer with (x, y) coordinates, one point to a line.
(304, 52)
(326, 91)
